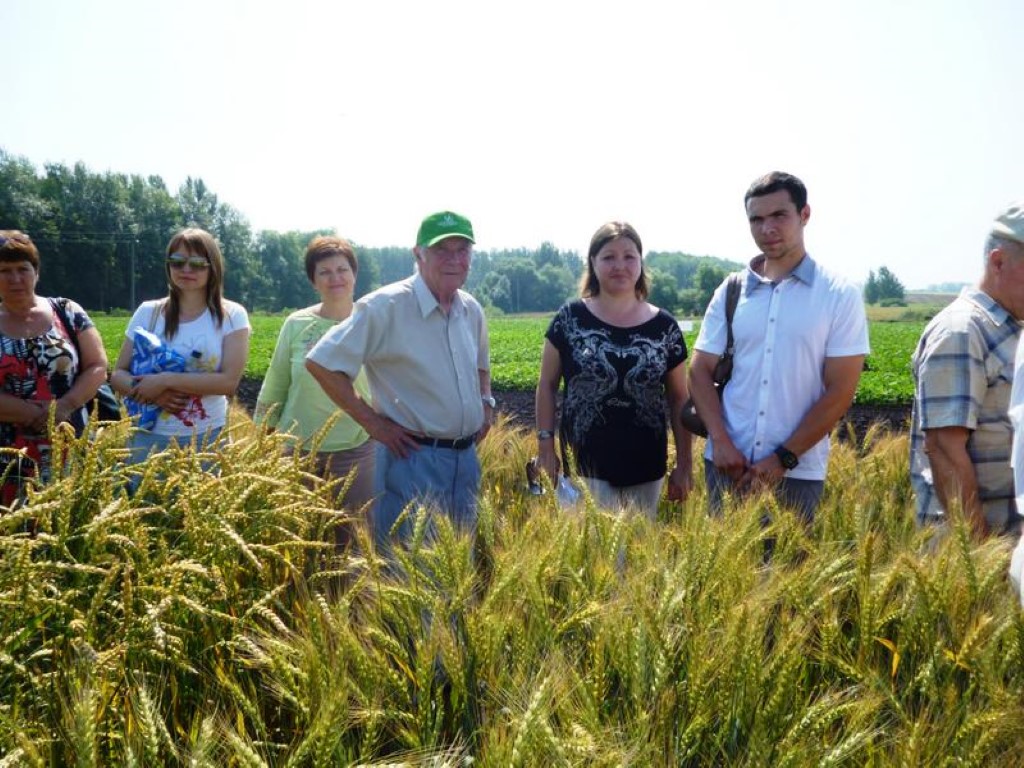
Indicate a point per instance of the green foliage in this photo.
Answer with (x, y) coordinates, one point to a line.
(683, 267)
(883, 288)
(209, 621)
(886, 379)
(663, 291)
(516, 345)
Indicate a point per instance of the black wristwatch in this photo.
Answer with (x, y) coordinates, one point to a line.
(787, 457)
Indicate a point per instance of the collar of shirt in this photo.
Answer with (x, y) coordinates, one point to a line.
(988, 305)
(426, 300)
(804, 272)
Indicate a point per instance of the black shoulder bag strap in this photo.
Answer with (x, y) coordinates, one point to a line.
(59, 307)
(105, 399)
(723, 369)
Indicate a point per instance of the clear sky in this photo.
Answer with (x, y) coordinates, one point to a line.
(541, 119)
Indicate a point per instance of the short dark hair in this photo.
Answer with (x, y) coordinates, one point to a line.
(17, 246)
(775, 181)
(324, 247)
(589, 285)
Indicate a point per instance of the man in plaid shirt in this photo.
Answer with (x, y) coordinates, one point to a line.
(963, 371)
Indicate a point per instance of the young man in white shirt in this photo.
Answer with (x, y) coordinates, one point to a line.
(800, 342)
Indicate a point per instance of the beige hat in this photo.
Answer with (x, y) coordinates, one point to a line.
(1010, 223)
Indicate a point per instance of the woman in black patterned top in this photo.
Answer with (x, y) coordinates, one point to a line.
(621, 359)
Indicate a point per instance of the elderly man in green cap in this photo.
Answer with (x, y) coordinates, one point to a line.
(423, 342)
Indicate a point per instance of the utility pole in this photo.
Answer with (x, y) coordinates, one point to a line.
(131, 289)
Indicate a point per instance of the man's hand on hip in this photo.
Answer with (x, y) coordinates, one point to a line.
(392, 436)
(488, 423)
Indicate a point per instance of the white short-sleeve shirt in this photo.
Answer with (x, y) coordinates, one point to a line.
(422, 364)
(201, 343)
(783, 332)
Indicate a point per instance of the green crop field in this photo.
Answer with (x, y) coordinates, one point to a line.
(516, 344)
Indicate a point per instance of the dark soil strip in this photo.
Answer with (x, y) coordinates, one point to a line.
(519, 406)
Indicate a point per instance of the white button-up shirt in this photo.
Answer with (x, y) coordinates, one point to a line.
(422, 364)
(783, 332)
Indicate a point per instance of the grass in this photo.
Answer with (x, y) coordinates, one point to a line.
(207, 621)
(516, 343)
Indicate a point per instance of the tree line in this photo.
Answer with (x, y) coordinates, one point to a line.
(102, 236)
(884, 289)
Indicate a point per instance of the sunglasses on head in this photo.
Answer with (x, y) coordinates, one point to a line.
(13, 238)
(179, 260)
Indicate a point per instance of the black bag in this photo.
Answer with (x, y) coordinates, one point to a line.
(104, 404)
(723, 368)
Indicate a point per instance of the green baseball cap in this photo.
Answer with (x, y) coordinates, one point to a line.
(437, 226)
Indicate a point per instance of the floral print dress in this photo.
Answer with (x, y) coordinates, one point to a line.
(40, 368)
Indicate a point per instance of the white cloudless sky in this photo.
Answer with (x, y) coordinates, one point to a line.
(542, 120)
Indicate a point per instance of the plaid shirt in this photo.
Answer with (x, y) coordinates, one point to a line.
(963, 372)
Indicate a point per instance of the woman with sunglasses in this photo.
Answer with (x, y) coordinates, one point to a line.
(50, 355)
(208, 331)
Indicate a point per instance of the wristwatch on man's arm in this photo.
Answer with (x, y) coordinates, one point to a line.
(489, 400)
(787, 458)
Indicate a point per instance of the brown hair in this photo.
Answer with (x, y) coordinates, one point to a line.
(324, 247)
(17, 246)
(589, 285)
(201, 243)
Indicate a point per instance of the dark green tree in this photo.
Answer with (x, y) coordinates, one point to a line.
(555, 285)
(524, 283)
(93, 221)
(495, 291)
(369, 272)
(706, 281)
(889, 287)
(281, 256)
(663, 290)
(393, 263)
(871, 288)
(22, 204)
(156, 216)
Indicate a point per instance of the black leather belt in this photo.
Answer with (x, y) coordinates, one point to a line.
(459, 443)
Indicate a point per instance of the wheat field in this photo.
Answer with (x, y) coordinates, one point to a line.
(209, 621)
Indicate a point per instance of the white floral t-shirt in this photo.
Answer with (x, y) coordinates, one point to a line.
(201, 343)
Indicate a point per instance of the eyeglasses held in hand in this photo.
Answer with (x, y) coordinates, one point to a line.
(178, 261)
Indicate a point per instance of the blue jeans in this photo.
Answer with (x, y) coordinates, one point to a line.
(802, 496)
(441, 478)
(143, 443)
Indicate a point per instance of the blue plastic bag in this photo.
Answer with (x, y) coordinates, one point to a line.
(150, 355)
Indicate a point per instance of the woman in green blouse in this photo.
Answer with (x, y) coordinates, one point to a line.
(292, 401)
